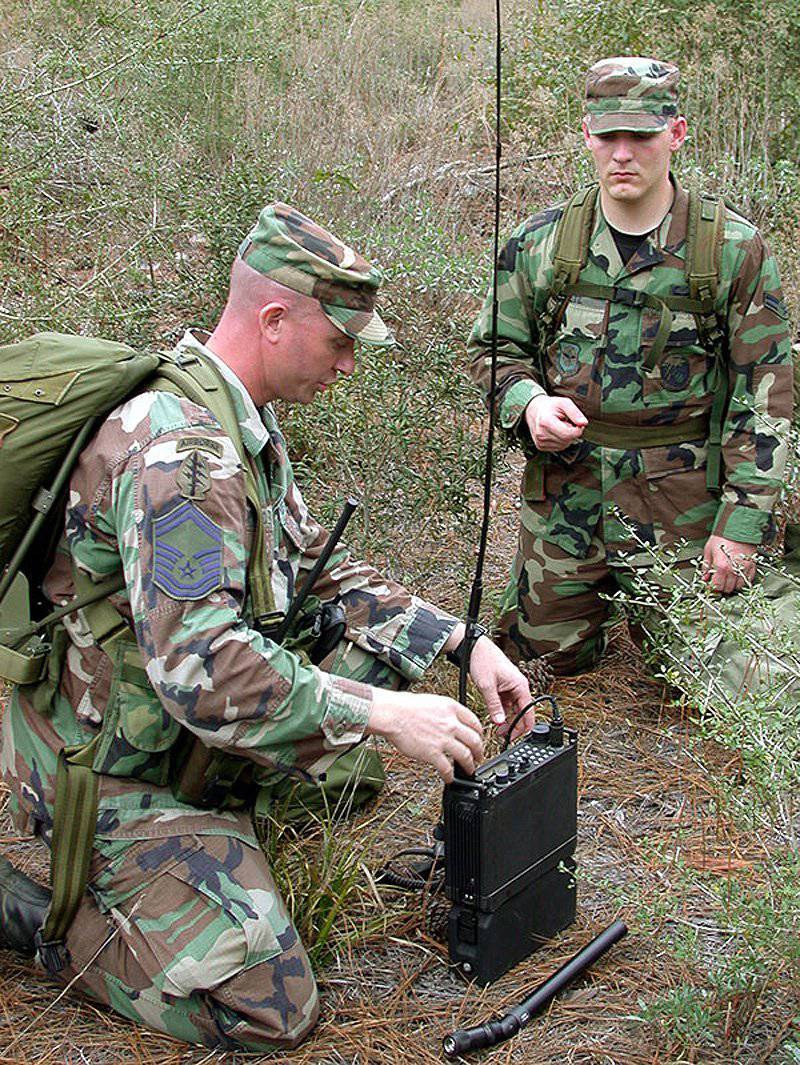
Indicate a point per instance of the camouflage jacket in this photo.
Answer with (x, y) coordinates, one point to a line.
(160, 493)
(597, 360)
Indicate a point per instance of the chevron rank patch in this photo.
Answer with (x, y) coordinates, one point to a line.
(187, 553)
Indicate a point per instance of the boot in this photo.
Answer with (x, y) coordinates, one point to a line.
(23, 904)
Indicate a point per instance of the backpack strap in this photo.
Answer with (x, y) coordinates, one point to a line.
(571, 250)
(704, 238)
(74, 822)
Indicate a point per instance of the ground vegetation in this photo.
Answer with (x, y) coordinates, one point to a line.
(138, 140)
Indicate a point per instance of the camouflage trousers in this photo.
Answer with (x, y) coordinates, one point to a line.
(182, 928)
(558, 605)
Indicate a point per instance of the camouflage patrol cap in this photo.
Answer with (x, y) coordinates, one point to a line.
(296, 252)
(631, 93)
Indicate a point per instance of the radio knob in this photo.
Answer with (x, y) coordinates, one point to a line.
(540, 733)
(501, 774)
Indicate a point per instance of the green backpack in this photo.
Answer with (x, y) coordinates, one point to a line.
(54, 390)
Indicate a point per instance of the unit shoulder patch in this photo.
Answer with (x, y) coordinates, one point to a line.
(200, 443)
(194, 476)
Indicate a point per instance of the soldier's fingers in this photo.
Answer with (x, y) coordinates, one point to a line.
(463, 755)
(745, 567)
(470, 739)
(726, 580)
(444, 767)
(574, 413)
(466, 717)
(465, 739)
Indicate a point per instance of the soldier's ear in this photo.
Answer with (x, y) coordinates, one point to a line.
(586, 134)
(678, 130)
(272, 320)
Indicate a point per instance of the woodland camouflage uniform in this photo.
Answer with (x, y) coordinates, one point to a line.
(589, 513)
(201, 943)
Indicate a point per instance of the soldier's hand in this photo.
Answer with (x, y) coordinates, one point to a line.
(728, 564)
(505, 690)
(429, 728)
(554, 422)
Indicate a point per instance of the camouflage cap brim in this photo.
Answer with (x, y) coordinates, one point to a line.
(365, 326)
(622, 121)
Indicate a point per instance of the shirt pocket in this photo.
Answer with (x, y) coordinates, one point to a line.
(572, 355)
(684, 371)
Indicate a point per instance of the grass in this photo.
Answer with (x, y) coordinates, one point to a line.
(137, 143)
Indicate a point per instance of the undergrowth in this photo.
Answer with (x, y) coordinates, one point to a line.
(139, 141)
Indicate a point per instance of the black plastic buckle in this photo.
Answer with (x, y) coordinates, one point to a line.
(54, 955)
(629, 297)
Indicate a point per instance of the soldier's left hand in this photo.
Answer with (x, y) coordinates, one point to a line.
(729, 565)
(503, 688)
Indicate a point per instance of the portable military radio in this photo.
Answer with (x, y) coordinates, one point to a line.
(509, 839)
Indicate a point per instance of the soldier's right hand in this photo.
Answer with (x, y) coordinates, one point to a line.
(554, 422)
(429, 728)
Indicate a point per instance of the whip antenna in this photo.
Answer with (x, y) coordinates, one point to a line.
(476, 591)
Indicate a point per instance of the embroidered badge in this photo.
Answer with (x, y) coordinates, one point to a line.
(675, 373)
(568, 358)
(194, 476)
(200, 443)
(772, 303)
(187, 553)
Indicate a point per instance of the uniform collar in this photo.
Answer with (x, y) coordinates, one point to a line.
(652, 251)
(255, 434)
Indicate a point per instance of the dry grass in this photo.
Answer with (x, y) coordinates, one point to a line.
(647, 813)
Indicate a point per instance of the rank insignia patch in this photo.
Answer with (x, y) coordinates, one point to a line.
(187, 553)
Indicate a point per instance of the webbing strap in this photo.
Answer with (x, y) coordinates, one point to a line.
(630, 437)
(704, 246)
(19, 667)
(632, 297)
(704, 239)
(105, 621)
(200, 382)
(571, 250)
(74, 821)
(573, 234)
(718, 407)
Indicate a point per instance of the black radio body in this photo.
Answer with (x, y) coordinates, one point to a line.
(509, 840)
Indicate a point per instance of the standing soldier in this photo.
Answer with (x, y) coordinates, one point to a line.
(644, 366)
(170, 708)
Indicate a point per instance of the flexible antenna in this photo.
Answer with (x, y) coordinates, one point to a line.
(476, 592)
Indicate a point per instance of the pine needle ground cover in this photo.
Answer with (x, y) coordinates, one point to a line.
(137, 143)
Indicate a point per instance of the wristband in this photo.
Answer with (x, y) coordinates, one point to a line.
(455, 656)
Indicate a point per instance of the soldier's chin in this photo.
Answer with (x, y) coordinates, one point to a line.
(623, 190)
